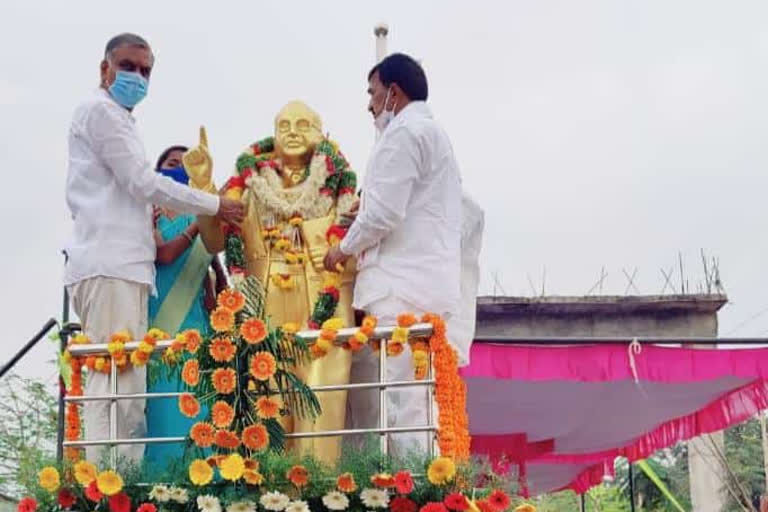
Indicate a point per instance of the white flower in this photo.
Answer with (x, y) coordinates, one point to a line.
(274, 501)
(208, 503)
(374, 498)
(179, 495)
(160, 494)
(242, 506)
(297, 506)
(336, 500)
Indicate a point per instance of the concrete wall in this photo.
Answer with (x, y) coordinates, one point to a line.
(671, 316)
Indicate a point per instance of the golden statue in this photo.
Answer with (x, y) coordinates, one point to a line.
(297, 187)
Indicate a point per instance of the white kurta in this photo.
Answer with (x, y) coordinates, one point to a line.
(417, 252)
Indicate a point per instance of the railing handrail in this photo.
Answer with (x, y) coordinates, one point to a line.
(50, 324)
(416, 331)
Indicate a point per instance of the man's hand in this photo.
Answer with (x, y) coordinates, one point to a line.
(199, 164)
(231, 210)
(335, 259)
(348, 218)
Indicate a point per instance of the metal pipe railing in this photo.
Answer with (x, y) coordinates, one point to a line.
(380, 333)
(47, 326)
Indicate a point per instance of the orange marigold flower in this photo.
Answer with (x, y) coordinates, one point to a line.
(222, 319)
(120, 337)
(202, 434)
(193, 340)
(222, 350)
(90, 362)
(298, 476)
(255, 437)
(346, 483)
(139, 358)
(224, 380)
(316, 351)
(263, 366)
(231, 299)
(252, 477)
(226, 439)
(394, 348)
(370, 322)
(251, 464)
(267, 408)
(222, 414)
(383, 480)
(188, 405)
(406, 319)
(215, 460)
(253, 331)
(190, 374)
(178, 343)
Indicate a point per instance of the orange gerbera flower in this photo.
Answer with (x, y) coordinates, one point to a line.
(224, 380)
(346, 483)
(222, 350)
(298, 476)
(253, 331)
(383, 480)
(202, 434)
(222, 414)
(226, 439)
(190, 374)
(255, 437)
(231, 299)
(188, 405)
(193, 340)
(222, 319)
(267, 408)
(263, 366)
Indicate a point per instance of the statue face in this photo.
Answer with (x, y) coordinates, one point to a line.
(297, 131)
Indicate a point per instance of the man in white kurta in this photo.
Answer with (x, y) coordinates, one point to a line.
(407, 239)
(111, 187)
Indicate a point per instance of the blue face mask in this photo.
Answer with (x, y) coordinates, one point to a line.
(177, 174)
(129, 88)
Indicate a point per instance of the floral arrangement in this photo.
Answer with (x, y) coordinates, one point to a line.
(287, 486)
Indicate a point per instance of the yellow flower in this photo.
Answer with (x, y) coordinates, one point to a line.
(157, 334)
(420, 358)
(109, 483)
(200, 473)
(332, 280)
(146, 347)
(123, 336)
(333, 324)
(400, 334)
(115, 347)
(525, 507)
(99, 364)
(290, 328)
(85, 473)
(441, 470)
(80, 339)
(232, 468)
(361, 337)
(324, 344)
(49, 479)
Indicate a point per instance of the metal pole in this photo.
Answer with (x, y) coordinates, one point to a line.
(26, 348)
(113, 412)
(583, 503)
(63, 339)
(383, 439)
(431, 437)
(631, 488)
(380, 31)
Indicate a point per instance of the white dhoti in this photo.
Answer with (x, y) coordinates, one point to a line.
(406, 406)
(106, 306)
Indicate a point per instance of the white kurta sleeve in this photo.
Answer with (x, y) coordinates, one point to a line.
(117, 143)
(387, 191)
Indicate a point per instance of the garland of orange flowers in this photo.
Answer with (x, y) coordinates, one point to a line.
(450, 393)
(72, 415)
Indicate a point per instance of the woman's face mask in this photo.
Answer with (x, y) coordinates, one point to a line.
(177, 174)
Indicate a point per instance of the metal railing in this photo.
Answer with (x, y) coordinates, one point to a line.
(380, 333)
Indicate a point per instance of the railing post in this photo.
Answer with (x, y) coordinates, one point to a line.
(63, 340)
(384, 437)
(431, 437)
(113, 412)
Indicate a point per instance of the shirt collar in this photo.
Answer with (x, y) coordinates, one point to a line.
(415, 109)
(105, 94)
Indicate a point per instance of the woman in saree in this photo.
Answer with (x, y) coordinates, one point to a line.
(185, 296)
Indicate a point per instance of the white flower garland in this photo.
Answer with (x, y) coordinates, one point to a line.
(304, 199)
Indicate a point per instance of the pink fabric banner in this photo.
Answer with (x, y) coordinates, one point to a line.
(562, 414)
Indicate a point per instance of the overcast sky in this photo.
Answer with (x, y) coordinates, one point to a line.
(594, 133)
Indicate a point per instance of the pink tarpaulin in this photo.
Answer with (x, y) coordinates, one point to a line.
(561, 415)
